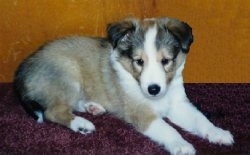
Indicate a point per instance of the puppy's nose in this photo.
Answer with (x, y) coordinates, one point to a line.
(154, 89)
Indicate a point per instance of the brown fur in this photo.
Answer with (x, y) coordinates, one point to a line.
(65, 71)
(59, 113)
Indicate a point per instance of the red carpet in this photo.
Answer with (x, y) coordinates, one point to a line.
(226, 105)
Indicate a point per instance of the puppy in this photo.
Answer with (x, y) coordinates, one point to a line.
(135, 73)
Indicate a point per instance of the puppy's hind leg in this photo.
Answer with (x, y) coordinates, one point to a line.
(90, 107)
(62, 113)
(94, 108)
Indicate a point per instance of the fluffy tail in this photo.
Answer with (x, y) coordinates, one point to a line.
(33, 108)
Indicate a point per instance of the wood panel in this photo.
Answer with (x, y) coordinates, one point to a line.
(221, 28)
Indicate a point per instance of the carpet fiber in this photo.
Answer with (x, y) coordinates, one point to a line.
(226, 105)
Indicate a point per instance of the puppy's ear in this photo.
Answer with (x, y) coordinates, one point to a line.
(182, 31)
(121, 31)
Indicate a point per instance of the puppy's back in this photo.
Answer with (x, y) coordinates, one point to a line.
(48, 72)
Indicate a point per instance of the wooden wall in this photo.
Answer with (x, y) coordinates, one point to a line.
(220, 53)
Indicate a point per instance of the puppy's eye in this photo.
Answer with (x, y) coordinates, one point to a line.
(139, 62)
(164, 61)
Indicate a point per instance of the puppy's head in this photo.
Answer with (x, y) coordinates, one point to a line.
(153, 51)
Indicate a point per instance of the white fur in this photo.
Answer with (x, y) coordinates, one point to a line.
(80, 106)
(173, 105)
(39, 114)
(126, 80)
(219, 136)
(81, 125)
(153, 72)
(167, 136)
(175, 93)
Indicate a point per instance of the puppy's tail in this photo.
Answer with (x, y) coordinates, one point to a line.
(30, 104)
(33, 108)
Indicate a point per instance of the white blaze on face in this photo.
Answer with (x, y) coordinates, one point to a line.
(153, 76)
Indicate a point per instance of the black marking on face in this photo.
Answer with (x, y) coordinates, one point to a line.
(180, 30)
(128, 47)
(121, 32)
(127, 52)
(166, 40)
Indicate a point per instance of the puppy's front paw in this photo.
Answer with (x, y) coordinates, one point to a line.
(181, 148)
(219, 136)
(81, 125)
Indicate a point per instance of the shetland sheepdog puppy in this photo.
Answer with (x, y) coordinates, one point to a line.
(135, 73)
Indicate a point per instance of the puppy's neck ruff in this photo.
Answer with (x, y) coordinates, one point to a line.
(126, 80)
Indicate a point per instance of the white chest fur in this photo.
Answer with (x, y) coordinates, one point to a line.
(175, 91)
